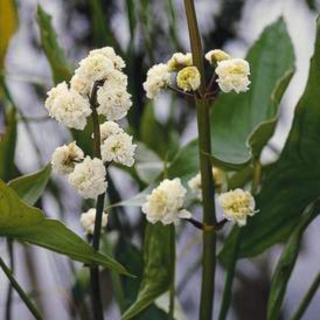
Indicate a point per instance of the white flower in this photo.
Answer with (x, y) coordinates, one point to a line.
(67, 106)
(165, 203)
(113, 99)
(93, 68)
(109, 53)
(88, 219)
(158, 77)
(88, 178)
(195, 182)
(179, 60)
(216, 55)
(108, 129)
(233, 75)
(119, 148)
(188, 79)
(64, 158)
(237, 205)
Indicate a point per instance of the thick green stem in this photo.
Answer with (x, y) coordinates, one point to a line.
(207, 183)
(32, 308)
(94, 271)
(307, 298)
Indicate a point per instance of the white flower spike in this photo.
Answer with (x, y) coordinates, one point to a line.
(158, 77)
(88, 219)
(165, 203)
(113, 98)
(65, 158)
(68, 107)
(88, 178)
(119, 148)
(108, 129)
(92, 68)
(237, 205)
(233, 75)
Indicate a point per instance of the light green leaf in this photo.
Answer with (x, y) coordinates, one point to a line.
(30, 187)
(236, 116)
(59, 66)
(265, 130)
(293, 182)
(158, 268)
(22, 222)
(286, 264)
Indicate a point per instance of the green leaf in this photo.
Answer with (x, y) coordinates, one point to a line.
(236, 116)
(186, 163)
(286, 264)
(127, 253)
(25, 223)
(158, 268)
(153, 134)
(265, 130)
(8, 145)
(293, 182)
(60, 68)
(101, 29)
(30, 187)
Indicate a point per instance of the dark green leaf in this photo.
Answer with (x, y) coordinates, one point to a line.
(294, 181)
(60, 68)
(30, 187)
(286, 264)
(158, 268)
(8, 144)
(21, 222)
(132, 257)
(236, 116)
(101, 29)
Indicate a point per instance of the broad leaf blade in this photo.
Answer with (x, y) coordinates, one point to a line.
(22, 222)
(60, 69)
(286, 264)
(30, 187)
(294, 181)
(158, 268)
(235, 116)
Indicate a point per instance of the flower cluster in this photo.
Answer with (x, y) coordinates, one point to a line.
(165, 203)
(70, 105)
(231, 73)
(237, 205)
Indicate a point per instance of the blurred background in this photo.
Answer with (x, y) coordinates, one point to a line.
(144, 32)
